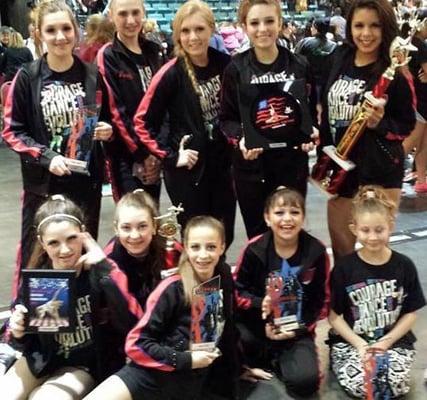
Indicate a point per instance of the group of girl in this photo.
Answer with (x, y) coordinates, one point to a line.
(126, 311)
(174, 113)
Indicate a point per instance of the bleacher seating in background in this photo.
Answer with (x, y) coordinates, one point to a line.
(163, 11)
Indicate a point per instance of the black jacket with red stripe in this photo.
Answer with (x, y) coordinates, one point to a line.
(171, 92)
(136, 274)
(122, 78)
(259, 258)
(161, 340)
(26, 133)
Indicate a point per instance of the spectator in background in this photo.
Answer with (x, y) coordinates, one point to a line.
(315, 49)
(14, 56)
(217, 42)
(287, 37)
(338, 22)
(4, 38)
(99, 30)
(231, 35)
(33, 43)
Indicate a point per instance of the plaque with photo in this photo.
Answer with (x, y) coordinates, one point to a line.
(207, 316)
(275, 115)
(49, 296)
(286, 295)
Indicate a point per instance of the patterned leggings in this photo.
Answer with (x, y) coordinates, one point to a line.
(348, 369)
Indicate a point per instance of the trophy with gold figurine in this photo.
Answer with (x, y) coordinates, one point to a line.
(330, 171)
(170, 229)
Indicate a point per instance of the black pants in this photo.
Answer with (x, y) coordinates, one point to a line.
(84, 193)
(252, 193)
(213, 195)
(124, 181)
(295, 361)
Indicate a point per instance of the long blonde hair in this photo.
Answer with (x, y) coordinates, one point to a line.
(188, 275)
(47, 7)
(189, 8)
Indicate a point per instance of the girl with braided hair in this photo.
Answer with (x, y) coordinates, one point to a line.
(195, 153)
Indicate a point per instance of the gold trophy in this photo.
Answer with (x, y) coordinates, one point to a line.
(170, 229)
(330, 171)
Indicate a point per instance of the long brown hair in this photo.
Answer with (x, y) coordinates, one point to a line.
(389, 28)
(56, 209)
(188, 275)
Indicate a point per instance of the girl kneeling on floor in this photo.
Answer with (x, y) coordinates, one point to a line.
(375, 296)
(66, 365)
(162, 367)
(300, 262)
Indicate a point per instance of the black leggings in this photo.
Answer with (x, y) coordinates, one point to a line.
(295, 361)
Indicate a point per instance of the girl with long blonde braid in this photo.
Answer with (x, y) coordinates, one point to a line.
(195, 153)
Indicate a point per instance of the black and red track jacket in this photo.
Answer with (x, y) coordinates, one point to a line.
(123, 82)
(254, 266)
(161, 339)
(171, 92)
(25, 131)
(135, 274)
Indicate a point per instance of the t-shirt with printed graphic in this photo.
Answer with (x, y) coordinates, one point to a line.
(344, 97)
(372, 298)
(62, 96)
(209, 81)
(78, 348)
(144, 69)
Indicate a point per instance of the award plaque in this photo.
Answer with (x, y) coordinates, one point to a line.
(49, 296)
(275, 115)
(207, 321)
(75, 142)
(376, 366)
(286, 296)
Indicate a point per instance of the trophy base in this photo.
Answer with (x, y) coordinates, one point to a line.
(346, 165)
(322, 187)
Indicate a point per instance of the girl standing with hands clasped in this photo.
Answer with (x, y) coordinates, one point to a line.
(162, 367)
(195, 153)
(354, 69)
(257, 172)
(66, 365)
(39, 115)
(375, 296)
(301, 261)
(127, 66)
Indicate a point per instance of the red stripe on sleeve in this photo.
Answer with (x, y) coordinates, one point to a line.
(120, 279)
(116, 118)
(143, 107)
(8, 134)
(133, 350)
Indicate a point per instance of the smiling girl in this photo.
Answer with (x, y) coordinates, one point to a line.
(39, 110)
(67, 365)
(301, 260)
(375, 297)
(127, 66)
(354, 69)
(257, 172)
(195, 152)
(162, 367)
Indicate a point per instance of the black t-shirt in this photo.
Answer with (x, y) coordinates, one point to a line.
(344, 97)
(209, 80)
(371, 298)
(77, 348)
(144, 69)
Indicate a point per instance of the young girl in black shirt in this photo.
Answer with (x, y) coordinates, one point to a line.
(375, 298)
(57, 364)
